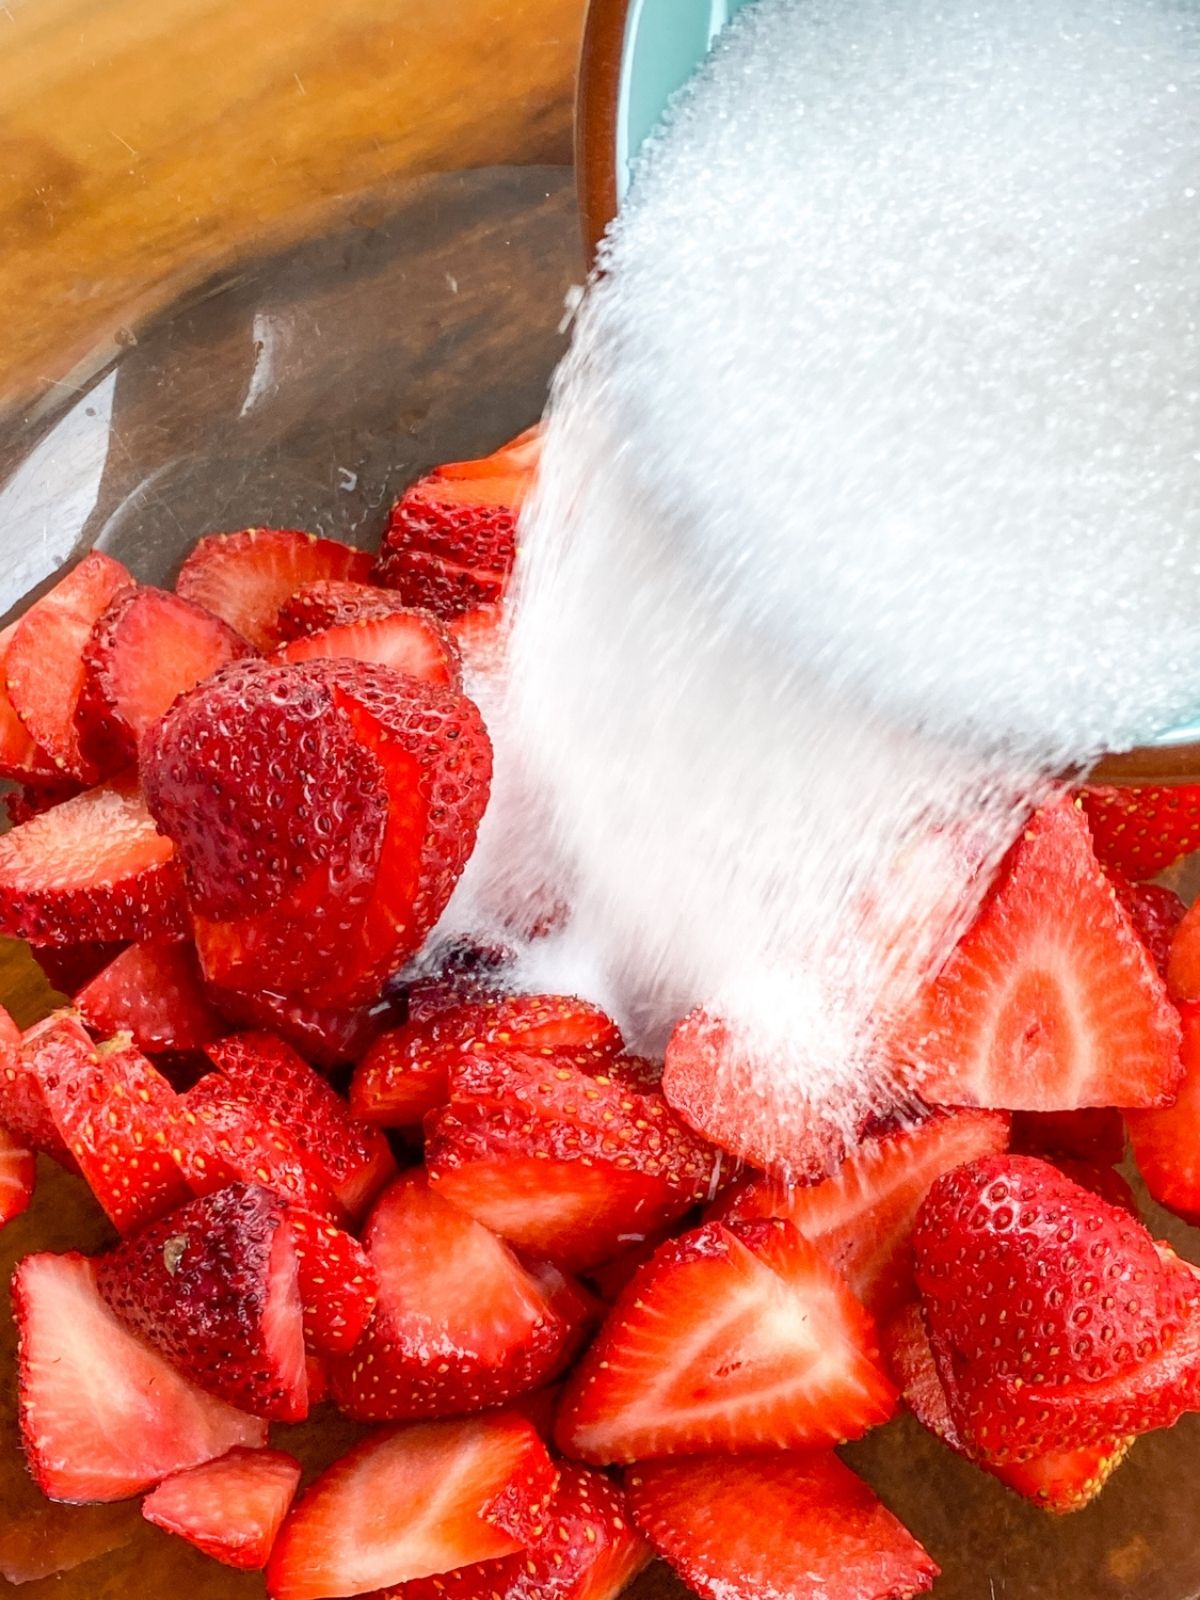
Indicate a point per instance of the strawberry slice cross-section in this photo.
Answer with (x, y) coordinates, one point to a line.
(231, 1508)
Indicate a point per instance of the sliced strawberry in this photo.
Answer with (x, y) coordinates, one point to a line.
(1094, 1133)
(153, 993)
(21, 757)
(245, 577)
(411, 1502)
(103, 1415)
(113, 1111)
(213, 1287)
(317, 1369)
(861, 1218)
(459, 973)
(231, 1508)
(460, 1324)
(1050, 1002)
(44, 663)
(330, 602)
(356, 1158)
(1183, 960)
(18, 1168)
(413, 642)
(790, 1524)
(481, 637)
(146, 648)
(94, 868)
(405, 1072)
(338, 1286)
(1166, 1143)
(325, 1036)
(23, 1109)
(1155, 912)
(1142, 830)
(31, 799)
(68, 967)
(727, 1340)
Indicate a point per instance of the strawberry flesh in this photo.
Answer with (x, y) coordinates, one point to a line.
(23, 1108)
(413, 642)
(21, 757)
(1142, 830)
(153, 993)
(1166, 1143)
(230, 1509)
(18, 1168)
(1183, 959)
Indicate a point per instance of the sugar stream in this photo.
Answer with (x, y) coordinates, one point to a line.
(870, 506)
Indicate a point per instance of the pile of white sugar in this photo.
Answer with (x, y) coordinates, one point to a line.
(870, 502)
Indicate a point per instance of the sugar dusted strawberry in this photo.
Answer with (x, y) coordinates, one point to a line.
(661, 1377)
(245, 577)
(93, 868)
(481, 635)
(44, 662)
(1142, 830)
(412, 1502)
(153, 993)
(213, 1287)
(1166, 1143)
(338, 1285)
(413, 642)
(1094, 1133)
(456, 973)
(21, 757)
(861, 1217)
(330, 602)
(1155, 912)
(103, 1415)
(1050, 1001)
(230, 1509)
(17, 1172)
(461, 1323)
(789, 1524)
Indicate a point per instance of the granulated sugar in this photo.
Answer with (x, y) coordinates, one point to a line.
(870, 503)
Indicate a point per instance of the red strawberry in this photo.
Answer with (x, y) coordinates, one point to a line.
(245, 577)
(152, 992)
(1142, 830)
(329, 603)
(480, 635)
(146, 648)
(317, 1369)
(231, 1508)
(1166, 1143)
(405, 1072)
(44, 664)
(457, 974)
(68, 967)
(213, 1287)
(21, 757)
(1154, 911)
(31, 799)
(18, 1168)
(1094, 1133)
(460, 1324)
(93, 868)
(356, 1158)
(789, 1524)
(103, 1415)
(325, 1036)
(1060, 1481)
(410, 1502)
(113, 1111)
(727, 1340)
(1017, 1267)
(23, 1108)
(1050, 1002)
(413, 642)
(861, 1218)
(1183, 960)
(588, 1550)
(338, 1287)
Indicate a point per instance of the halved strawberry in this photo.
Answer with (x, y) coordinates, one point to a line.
(44, 663)
(338, 1286)
(1050, 1001)
(1166, 1143)
(413, 642)
(231, 1508)
(1093, 1133)
(1142, 830)
(729, 1339)
(461, 1324)
(326, 1036)
(1155, 912)
(411, 1502)
(104, 1415)
(330, 602)
(213, 1287)
(356, 1158)
(861, 1217)
(21, 757)
(18, 1168)
(405, 1072)
(789, 1524)
(95, 867)
(146, 648)
(113, 1112)
(245, 577)
(153, 993)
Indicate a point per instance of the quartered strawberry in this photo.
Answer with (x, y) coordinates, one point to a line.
(563, 1163)
(1183, 959)
(413, 642)
(213, 1287)
(93, 868)
(113, 1112)
(147, 647)
(1142, 830)
(44, 663)
(1059, 1481)
(103, 1414)
(18, 1168)
(326, 1036)
(1050, 1001)
(356, 1159)
(21, 757)
(1155, 912)
(411, 1502)
(338, 1287)
(245, 577)
(405, 1072)
(461, 1323)
(1166, 1143)
(729, 1339)
(330, 602)
(861, 1217)
(1094, 1133)
(153, 993)
(789, 1524)
(231, 1508)
(588, 1549)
